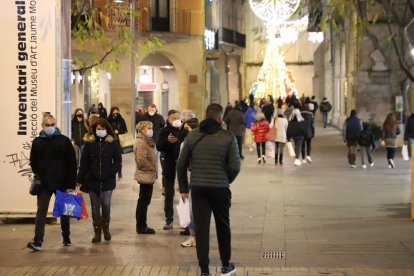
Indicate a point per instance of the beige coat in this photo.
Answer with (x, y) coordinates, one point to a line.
(146, 168)
(281, 125)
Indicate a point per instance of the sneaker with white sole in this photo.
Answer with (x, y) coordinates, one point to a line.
(35, 246)
(353, 166)
(304, 161)
(190, 242)
(309, 159)
(364, 166)
(228, 270)
(297, 162)
(391, 163)
(372, 164)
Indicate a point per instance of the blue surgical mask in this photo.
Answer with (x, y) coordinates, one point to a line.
(150, 133)
(49, 130)
(101, 133)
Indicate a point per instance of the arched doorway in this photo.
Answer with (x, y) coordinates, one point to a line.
(161, 79)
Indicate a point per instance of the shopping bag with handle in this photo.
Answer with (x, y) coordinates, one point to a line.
(183, 211)
(67, 204)
(290, 149)
(404, 153)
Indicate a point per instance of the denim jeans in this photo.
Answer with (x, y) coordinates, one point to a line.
(325, 119)
(366, 151)
(98, 202)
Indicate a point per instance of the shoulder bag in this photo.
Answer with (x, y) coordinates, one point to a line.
(35, 186)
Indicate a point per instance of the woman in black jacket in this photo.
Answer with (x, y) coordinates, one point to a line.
(118, 126)
(296, 130)
(79, 129)
(101, 159)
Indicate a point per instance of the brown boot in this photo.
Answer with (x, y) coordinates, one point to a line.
(97, 228)
(105, 229)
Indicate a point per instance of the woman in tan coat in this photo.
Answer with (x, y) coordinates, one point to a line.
(145, 173)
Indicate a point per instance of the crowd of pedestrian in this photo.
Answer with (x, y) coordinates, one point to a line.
(204, 157)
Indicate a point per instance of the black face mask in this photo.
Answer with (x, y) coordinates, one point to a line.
(79, 115)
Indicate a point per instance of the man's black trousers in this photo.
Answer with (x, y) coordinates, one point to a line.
(206, 201)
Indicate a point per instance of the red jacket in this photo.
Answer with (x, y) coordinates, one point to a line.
(260, 128)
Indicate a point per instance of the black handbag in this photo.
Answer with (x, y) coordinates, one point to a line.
(36, 185)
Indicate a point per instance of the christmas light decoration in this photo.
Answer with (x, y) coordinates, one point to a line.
(272, 78)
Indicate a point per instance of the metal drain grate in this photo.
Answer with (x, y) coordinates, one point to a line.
(272, 255)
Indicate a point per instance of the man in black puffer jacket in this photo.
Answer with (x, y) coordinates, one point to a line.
(53, 159)
(169, 143)
(215, 163)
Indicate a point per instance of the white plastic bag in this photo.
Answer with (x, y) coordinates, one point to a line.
(183, 211)
(290, 149)
(270, 149)
(404, 153)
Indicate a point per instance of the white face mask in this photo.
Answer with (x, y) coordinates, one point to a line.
(151, 113)
(101, 133)
(49, 130)
(177, 123)
(150, 133)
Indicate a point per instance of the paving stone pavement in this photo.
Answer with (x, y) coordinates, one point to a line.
(323, 218)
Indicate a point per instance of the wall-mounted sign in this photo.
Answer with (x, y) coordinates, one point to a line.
(209, 39)
(147, 86)
(29, 76)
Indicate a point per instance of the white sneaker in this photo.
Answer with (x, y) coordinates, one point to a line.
(190, 242)
(364, 166)
(309, 159)
(297, 162)
(392, 163)
(304, 161)
(352, 166)
(372, 164)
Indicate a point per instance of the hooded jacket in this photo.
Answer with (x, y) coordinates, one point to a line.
(309, 118)
(260, 129)
(54, 160)
(100, 161)
(215, 160)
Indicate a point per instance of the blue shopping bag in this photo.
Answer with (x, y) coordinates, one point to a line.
(67, 204)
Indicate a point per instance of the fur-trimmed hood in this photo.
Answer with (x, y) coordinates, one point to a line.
(90, 138)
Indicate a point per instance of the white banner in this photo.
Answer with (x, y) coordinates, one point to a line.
(28, 77)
